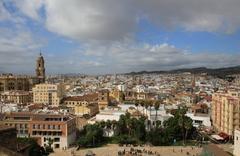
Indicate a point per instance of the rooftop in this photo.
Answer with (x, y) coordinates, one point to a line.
(87, 97)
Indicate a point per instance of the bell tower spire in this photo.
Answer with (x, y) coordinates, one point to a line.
(40, 68)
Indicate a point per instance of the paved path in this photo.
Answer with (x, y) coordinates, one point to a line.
(112, 150)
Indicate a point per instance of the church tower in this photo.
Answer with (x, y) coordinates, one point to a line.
(40, 69)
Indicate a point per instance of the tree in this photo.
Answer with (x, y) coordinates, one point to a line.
(102, 124)
(188, 126)
(158, 124)
(159, 137)
(108, 126)
(49, 148)
(92, 136)
(136, 102)
(34, 149)
(184, 122)
(156, 106)
(146, 105)
(179, 122)
(150, 103)
(131, 128)
(114, 125)
(142, 103)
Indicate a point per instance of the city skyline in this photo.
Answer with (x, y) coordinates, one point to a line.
(93, 37)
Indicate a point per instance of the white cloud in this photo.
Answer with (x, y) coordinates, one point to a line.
(114, 19)
(18, 50)
(91, 21)
(4, 14)
(30, 7)
(125, 56)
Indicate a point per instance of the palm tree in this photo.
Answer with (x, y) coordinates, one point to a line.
(128, 123)
(102, 124)
(142, 103)
(136, 102)
(114, 125)
(146, 105)
(156, 106)
(150, 104)
(158, 123)
(183, 122)
(108, 126)
(187, 126)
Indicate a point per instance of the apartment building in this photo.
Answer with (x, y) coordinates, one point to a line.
(226, 111)
(10, 82)
(19, 97)
(50, 94)
(59, 128)
(103, 99)
(85, 104)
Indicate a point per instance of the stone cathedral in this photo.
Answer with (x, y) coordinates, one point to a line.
(40, 69)
(10, 82)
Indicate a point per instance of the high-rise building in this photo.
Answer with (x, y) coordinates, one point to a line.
(40, 68)
(226, 111)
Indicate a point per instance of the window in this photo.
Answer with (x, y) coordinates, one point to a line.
(59, 126)
(43, 126)
(34, 126)
(56, 139)
(49, 126)
(56, 145)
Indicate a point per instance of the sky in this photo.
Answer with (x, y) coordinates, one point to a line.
(118, 36)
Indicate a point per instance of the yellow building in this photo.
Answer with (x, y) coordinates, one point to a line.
(9, 82)
(50, 94)
(86, 104)
(90, 109)
(103, 99)
(226, 111)
(116, 94)
(19, 97)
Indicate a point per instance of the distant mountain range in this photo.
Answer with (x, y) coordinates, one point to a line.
(219, 72)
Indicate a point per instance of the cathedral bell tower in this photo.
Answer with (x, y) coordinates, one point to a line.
(40, 69)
